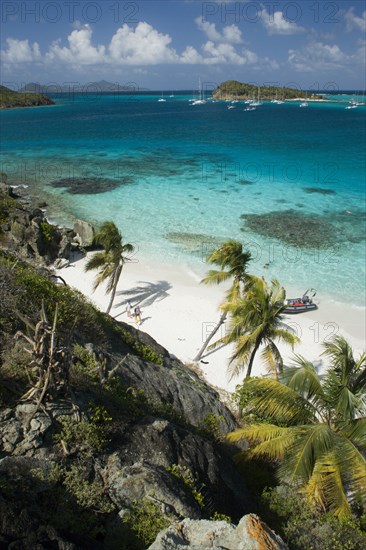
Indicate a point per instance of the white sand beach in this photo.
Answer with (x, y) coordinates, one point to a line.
(179, 313)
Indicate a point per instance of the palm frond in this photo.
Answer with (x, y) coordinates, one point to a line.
(96, 261)
(278, 402)
(272, 358)
(310, 444)
(303, 378)
(215, 277)
(325, 487)
(355, 431)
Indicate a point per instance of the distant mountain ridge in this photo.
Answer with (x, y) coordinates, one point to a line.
(89, 87)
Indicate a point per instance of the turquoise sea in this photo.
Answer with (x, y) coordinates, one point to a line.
(177, 178)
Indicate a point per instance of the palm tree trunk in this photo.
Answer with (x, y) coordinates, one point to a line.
(116, 277)
(251, 360)
(210, 336)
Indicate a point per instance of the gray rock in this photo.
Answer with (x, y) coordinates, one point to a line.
(85, 231)
(147, 449)
(250, 534)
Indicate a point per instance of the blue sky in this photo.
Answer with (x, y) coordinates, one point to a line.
(170, 44)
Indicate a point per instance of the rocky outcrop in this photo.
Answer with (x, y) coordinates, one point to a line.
(26, 231)
(84, 233)
(250, 534)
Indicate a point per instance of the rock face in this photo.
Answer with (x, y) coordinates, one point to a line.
(250, 534)
(84, 233)
(27, 232)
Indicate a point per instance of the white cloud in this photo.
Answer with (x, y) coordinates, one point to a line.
(276, 24)
(317, 56)
(230, 33)
(141, 46)
(138, 46)
(20, 51)
(226, 53)
(354, 21)
(80, 50)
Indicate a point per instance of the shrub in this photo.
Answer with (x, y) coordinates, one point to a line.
(185, 476)
(146, 520)
(82, 437)
(305, 528)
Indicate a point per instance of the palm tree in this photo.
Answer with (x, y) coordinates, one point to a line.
(314, 427)
(111, 260)
(255, 320)
(233, 262)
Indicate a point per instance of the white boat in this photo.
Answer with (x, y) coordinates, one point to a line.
(231, 106)
(201, 100)
(161, 99)
(304, 104)
(250, 108)
(256, 103)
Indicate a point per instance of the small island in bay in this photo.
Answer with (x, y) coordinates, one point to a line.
(10, 99)
(232, 89)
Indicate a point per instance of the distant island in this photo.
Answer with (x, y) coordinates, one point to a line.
(9, 99)
(232, 89)
(89, 87)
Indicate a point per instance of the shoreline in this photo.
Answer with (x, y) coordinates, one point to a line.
(179, 313)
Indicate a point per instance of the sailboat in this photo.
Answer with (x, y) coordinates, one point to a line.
(201, 99)
(161, 99)
(256, 103)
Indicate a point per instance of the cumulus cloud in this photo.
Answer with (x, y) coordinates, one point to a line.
(319, 56)
(80, 50)
(137, 46)
(276, 24)
(20, 51)
(230, 33)
(141, 46)
(353, 21)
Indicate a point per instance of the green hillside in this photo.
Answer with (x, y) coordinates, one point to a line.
(9, 98)
(232, 89)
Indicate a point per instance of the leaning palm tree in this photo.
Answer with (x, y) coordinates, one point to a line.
(313, 427)
(111, 260)
(233, 261)
(256, 319)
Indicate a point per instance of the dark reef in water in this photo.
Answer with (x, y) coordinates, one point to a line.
(309, 230)
(292, 227)
(90, 186)
(320, 190)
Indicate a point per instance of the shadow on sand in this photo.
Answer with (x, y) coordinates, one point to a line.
(145, 294)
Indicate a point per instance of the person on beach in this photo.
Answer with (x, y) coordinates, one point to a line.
(138, 318)
(129, 308)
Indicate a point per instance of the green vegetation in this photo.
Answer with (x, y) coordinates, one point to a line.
(110, 262)
(186, 478)
(232, 89)
(314, 428)
(304, 527)
(256, 319)
(146, 520)
(9, 98)
(233, 261)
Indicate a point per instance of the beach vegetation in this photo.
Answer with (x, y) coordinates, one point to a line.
(256, 320)
(313, 428)
(111, 260)
(233, 261)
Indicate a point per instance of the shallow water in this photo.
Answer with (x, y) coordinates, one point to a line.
(289, 182)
